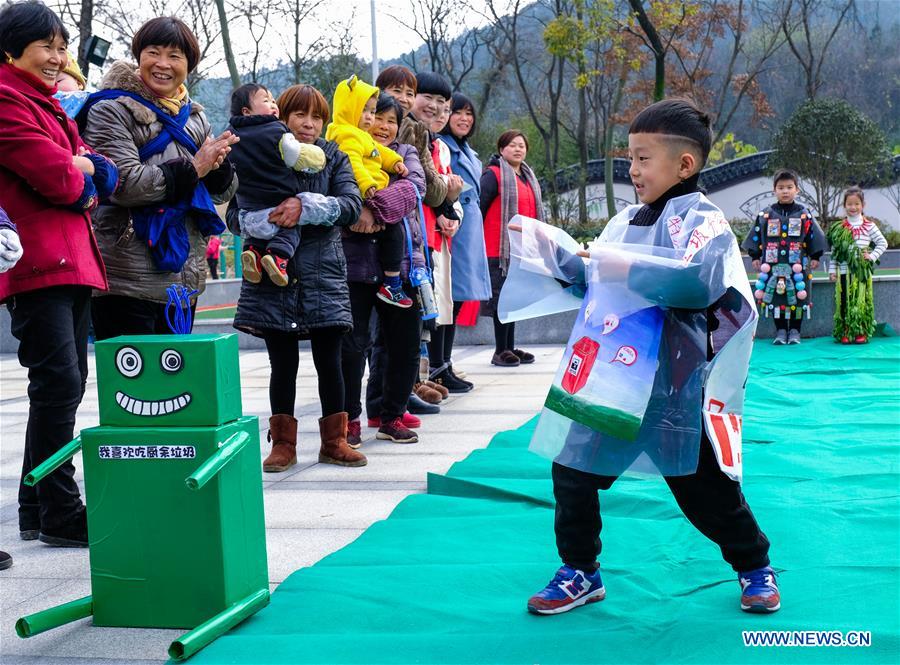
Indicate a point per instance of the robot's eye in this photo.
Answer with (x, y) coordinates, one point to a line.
(171, 361)
(129, 361)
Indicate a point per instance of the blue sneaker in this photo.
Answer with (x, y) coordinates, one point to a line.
(759, 591)
(569, 588)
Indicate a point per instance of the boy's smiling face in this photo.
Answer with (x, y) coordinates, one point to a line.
(658, 163)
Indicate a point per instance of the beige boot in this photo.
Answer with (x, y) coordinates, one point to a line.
(283, 435)
(334, 450)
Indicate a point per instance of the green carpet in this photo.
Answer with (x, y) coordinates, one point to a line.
(445, 578)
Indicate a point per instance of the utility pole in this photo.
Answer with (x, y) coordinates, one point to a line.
(374, 44)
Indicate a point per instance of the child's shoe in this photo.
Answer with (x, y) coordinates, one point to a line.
(276, 269)
(395, 295)
(780, 337)
(794, 337)
(759, 590)
(845, 340)
(354, 433)
(860, 339)
(250, 265)
(569, 588)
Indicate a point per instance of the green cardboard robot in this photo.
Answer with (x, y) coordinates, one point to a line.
(173, 486)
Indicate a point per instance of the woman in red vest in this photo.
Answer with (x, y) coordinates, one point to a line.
(508, 188)
(50, 182)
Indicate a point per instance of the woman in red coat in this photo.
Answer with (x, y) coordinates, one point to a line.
(49, 183)
(508, 188)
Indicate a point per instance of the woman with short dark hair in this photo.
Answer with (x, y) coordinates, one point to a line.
(170, 165)
(50, 182)
(315, 303)
(508, 188)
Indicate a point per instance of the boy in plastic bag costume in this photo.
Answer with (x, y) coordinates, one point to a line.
(653, 375)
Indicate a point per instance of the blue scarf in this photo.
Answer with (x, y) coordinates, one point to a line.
(162, 226)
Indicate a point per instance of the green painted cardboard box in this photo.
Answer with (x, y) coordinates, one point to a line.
(168, 380)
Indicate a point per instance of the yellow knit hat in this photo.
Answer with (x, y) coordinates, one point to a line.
(73, 70)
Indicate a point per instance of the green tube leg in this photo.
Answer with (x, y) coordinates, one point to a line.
(53, 462)
(54, 617)
(192, 641)
(229, 450)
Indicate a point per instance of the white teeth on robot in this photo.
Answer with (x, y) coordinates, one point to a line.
(139, 407)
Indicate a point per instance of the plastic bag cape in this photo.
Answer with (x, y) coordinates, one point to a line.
(634, 386)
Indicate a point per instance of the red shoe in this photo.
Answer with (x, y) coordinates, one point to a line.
(354, 434)
(860, 339)
(845, 340)
(394, 296)
(276, 269)
(408, 420)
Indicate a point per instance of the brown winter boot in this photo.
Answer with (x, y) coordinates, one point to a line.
(437, 386)
(283, 435)
(427, 394)
(334, 450)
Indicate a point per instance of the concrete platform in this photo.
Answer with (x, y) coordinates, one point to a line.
(312, 509)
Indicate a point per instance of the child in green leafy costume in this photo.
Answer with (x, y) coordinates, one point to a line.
(853, 260)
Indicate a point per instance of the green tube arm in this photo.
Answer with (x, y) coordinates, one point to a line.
(227, 452)
(53, 462)
(54, 617)
(208, 631)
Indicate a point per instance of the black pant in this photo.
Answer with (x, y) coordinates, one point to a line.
(401, 330)
(390, 248)
(213, 267)
(710, 500)
(124, 315)
(784, 324)
(440, 348)
(284, 360)
(52, 328)
(504, 335)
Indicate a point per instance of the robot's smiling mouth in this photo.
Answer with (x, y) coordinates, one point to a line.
(162, 407)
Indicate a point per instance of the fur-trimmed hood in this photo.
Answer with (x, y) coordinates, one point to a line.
(122, 75)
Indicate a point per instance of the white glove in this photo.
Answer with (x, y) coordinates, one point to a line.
(10, 249)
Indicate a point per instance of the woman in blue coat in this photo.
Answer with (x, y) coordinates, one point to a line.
(471, 280)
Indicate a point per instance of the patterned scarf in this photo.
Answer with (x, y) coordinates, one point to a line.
(171, 104)
(509, 204)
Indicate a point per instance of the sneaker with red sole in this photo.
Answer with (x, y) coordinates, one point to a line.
(354, 433)
(569, 588)
(395, 431)
(250, 265)
(408, 420)
(276, 269)
(395, 296)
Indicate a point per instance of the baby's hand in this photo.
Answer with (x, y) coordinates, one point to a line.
(400, 169)
(369, 193)
(866, 255)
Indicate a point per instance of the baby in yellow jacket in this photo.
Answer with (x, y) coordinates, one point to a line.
(373, 164)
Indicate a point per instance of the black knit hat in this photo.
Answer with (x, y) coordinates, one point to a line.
(431, 83)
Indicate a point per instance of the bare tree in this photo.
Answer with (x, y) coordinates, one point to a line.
(81, 14)
(298, 12)
(226, 44)
(810, 26)
(255, 15)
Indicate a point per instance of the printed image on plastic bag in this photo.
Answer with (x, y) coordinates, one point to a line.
(606, 375)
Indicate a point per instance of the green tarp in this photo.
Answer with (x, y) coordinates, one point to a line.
(445, 579)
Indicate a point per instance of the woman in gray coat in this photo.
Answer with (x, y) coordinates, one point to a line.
(133, 118)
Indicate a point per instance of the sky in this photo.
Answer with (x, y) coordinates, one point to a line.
(393, 39)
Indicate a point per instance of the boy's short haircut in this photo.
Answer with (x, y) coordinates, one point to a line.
(431, 83)
(24, 22)
(679, 119)
(302, 98)
(167, 31)
(507, 137)
(785, 174)
(388, 103)
(240, 98)
(854, 191)
(396, 76)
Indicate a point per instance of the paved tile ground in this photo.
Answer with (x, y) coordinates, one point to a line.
(311, 510)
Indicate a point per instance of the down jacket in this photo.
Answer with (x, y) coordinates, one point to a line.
(118, 128)
(317, 296)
